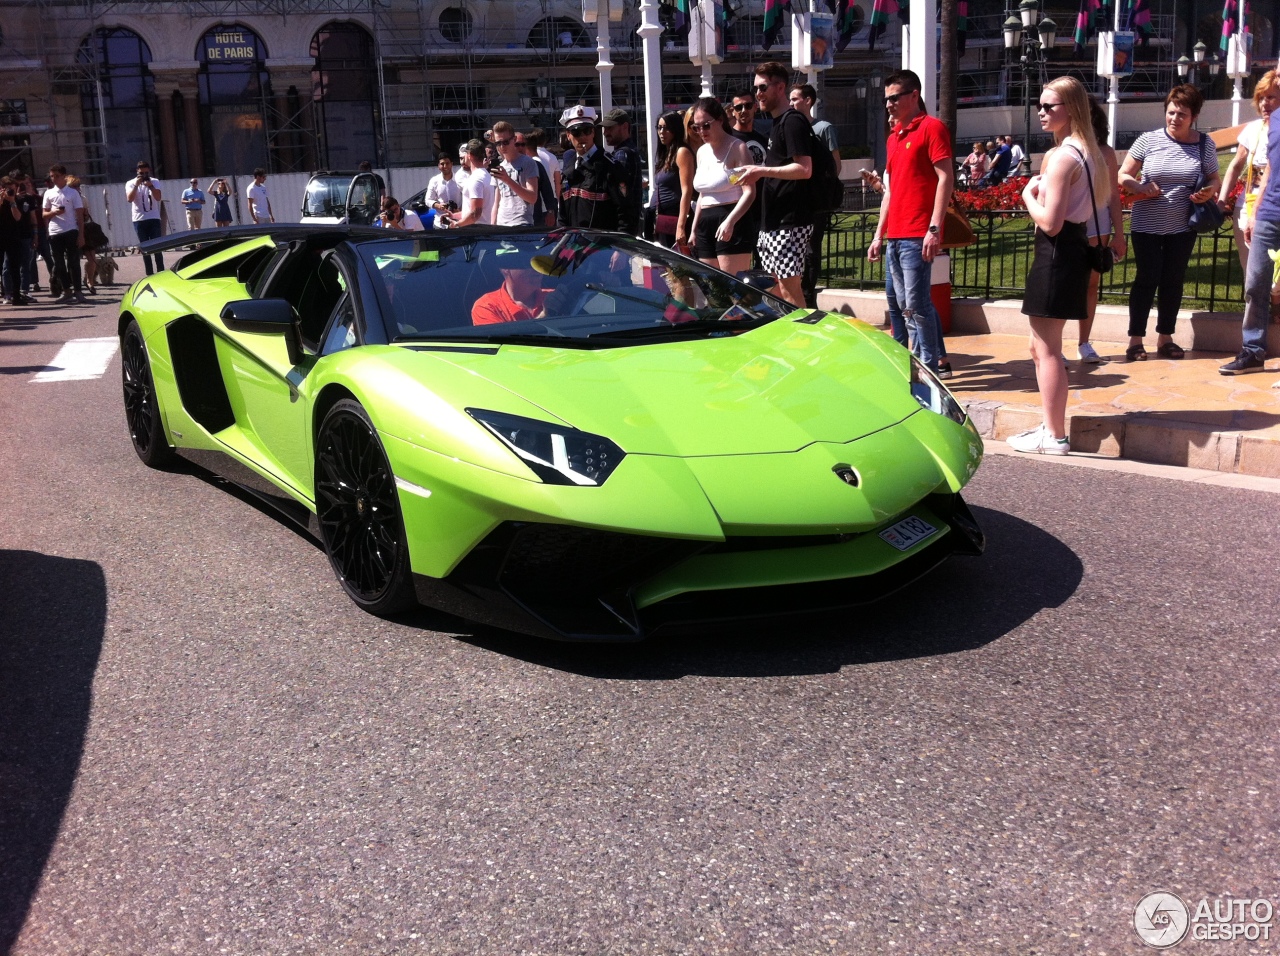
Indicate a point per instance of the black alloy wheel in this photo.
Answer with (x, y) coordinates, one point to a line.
(358, 508)
(141, 410)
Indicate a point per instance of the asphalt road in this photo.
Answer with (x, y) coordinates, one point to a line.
(205, 748)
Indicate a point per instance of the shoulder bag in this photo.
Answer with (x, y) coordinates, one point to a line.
(1205, 216)
(1100, 257)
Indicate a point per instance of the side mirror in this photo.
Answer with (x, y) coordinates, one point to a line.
(758, 279)
(265, 317)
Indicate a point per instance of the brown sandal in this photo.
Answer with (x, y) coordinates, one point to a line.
(1171, 350)
(1135, 353)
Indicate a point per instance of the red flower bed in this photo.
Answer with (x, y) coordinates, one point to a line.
(1007, 197)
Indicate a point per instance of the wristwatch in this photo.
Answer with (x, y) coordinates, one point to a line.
(933, 230)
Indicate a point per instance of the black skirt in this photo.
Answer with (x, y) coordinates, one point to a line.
(1058, 283)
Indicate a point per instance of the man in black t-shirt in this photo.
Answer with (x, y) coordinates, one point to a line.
(785, 220)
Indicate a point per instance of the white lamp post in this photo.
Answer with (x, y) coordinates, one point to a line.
(600, 12)
(706, 41)
(1237, 69)
(649, 31)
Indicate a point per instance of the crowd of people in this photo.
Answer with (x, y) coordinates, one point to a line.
(731, 186)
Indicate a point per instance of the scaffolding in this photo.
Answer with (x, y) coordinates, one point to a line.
(49, 74)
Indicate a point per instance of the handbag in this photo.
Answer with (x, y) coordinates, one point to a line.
(1100, 258)
(1205, 216)
(94, 236)
(956, 231)
(1250, 194)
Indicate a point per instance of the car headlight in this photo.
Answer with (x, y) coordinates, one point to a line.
(929, 391)
(557, 454)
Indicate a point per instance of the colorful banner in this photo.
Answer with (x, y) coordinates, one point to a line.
(773, 12)
(1086, 25)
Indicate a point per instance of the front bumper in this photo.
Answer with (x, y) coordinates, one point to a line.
(579, 584)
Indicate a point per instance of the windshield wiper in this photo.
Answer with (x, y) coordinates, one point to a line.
(541, 341)
(702, 326)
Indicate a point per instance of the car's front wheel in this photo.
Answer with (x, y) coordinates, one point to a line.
(358, 509)
(141, 410)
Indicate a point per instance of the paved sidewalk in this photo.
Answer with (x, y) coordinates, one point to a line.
(1162, 411)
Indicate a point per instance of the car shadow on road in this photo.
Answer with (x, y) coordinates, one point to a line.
(53, 614)
(962, 605)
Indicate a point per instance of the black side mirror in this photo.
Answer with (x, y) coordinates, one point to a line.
(758, 279)
(265, 317)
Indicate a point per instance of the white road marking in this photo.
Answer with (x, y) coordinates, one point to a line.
(80, 359)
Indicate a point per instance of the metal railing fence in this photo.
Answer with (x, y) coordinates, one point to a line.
(996, 266)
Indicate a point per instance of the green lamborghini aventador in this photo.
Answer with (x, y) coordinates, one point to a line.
(567, 433)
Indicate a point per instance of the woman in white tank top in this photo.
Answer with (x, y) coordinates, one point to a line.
(1060, 200)
(721, 238)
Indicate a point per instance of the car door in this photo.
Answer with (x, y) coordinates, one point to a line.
(264, 380)
(364, 200)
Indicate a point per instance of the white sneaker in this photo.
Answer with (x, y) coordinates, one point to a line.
(1089, 354)
(1039, 441)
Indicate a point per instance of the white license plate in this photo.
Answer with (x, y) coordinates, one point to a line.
(907, 532)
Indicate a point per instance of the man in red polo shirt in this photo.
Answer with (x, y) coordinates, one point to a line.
(919, 176)
(519, 297)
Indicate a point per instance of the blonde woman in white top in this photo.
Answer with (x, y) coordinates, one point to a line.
(1060, 202)
(721, 238)
(1250, 159)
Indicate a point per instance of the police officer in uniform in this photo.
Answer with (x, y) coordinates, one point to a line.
(593, 190)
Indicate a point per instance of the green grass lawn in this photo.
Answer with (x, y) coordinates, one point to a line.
(1000, 260)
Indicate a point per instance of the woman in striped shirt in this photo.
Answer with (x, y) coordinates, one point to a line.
(1162, 169)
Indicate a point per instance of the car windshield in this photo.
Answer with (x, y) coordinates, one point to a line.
(566, 287)
(326, 196)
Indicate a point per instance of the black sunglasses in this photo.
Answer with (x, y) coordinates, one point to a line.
(894, 97)
(582, 130)
(1047, 107)
(740, 107)
(760, 87)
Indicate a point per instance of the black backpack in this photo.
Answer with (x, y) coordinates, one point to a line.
(826, 191)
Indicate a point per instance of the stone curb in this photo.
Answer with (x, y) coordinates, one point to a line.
(1140, 436)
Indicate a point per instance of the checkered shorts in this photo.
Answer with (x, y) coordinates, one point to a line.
(783, 251)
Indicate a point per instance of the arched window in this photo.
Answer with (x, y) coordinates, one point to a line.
(559, 32)
(345, 96)
(128, 105)
(234, 88)
(456, 24)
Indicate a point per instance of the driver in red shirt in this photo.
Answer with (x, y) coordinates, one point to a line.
(519, 297)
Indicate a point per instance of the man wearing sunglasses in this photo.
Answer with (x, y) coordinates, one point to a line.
(919, 176)
(516, 179)
(742, 114)
(592, 195)
(785, 217)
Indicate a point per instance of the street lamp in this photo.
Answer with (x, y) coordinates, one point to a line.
(1035, 40)
(542, 99)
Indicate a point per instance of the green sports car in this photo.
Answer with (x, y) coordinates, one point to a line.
(572, 434)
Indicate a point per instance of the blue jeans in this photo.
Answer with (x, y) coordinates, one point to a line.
(148, 229)
(910, 276)
(896, 324)
(1257, 287)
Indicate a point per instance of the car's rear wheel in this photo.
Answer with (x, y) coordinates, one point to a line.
(141, 409)
(358, 508)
